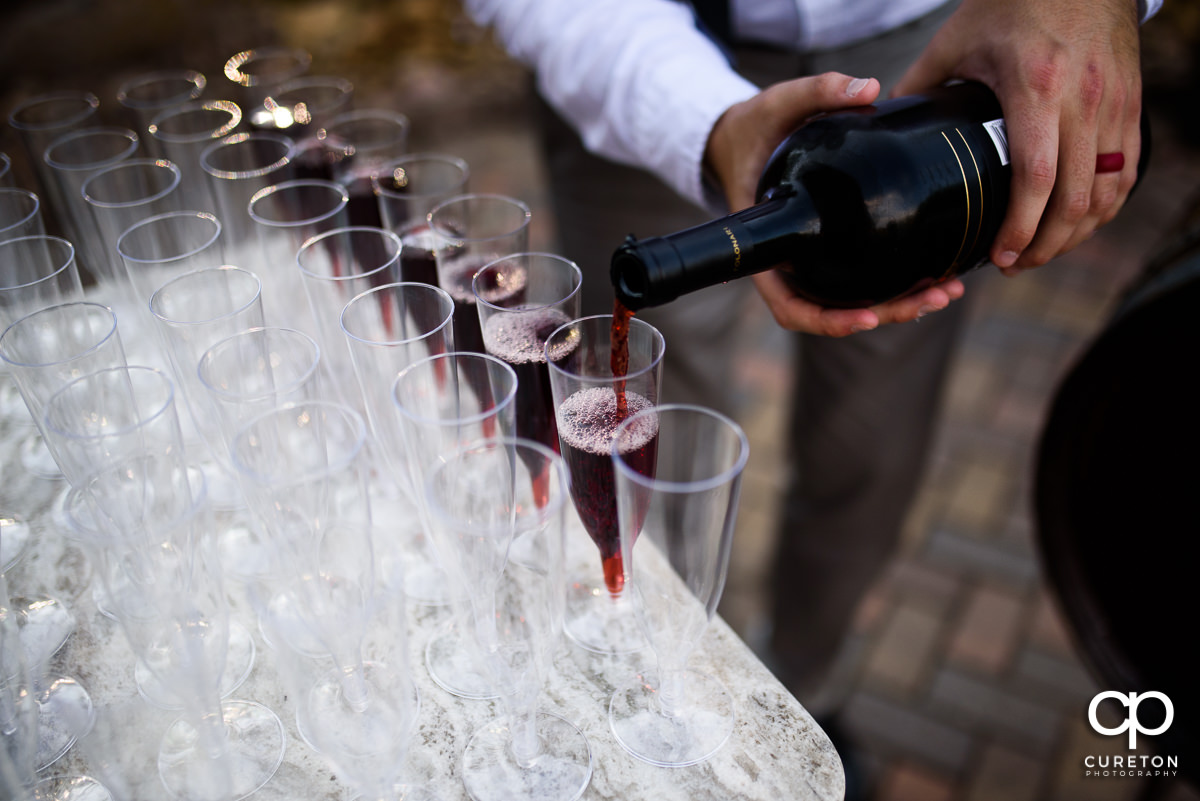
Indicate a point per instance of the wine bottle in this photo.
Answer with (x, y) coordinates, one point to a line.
(856, 207)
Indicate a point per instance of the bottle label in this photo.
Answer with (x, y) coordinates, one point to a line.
(999, 134)
(737, 250)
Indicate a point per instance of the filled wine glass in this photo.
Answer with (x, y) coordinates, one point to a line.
(470, 231)
(523, 298)
(678, 478)
(357, 144)
(592, 397)
(301, 107)
(407, 189)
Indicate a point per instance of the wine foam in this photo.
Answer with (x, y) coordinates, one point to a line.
(588, 419)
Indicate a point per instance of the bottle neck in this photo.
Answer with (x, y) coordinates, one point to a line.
(657, 270)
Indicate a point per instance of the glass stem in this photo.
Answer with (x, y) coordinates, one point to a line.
(526, 745)
(354, 681)
(213, 734)
(672, 687)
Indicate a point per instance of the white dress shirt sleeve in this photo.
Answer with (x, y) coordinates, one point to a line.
(635, 78)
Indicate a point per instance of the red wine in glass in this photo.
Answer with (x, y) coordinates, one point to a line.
(518, 338)
(455, 274)
(363, 208)
(586, 423)
(418, 263)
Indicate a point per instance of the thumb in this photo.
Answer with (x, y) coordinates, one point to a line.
(789, 104)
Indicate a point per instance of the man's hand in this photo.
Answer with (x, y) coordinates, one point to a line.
(738, 148)
(1067, 75)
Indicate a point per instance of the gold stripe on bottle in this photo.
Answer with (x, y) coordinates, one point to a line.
(967, 197)
(979, 184)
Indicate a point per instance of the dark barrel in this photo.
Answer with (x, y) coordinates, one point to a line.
(1118, 495)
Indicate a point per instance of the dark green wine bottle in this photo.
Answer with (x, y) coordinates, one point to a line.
(856, 207)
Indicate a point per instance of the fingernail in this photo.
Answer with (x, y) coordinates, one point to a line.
(1007, 259)
(858, 328)
(926, 309)
(856, 86)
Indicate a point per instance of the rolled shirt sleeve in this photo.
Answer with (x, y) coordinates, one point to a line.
(635, 78)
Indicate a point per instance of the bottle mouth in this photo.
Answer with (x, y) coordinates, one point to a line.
(629, 275)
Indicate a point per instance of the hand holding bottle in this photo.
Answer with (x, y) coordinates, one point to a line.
(739, 146)
(1067, 76)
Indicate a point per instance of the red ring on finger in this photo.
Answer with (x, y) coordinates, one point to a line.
(1110, 162)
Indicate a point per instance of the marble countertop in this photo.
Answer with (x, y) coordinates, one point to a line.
(776, 750)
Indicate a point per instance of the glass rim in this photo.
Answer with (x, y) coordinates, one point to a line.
(233, 65)
(157, 218)
(176, 178)
(287, 142)
(159, 411)
(108, 130)
(106, 314)
(5, 164)
(90, 104)
(55, 241)
(602, 380)
(235, 397)
(541, 255)
(311, 244)
(30, 214)
(343, 86)
(557, 504)
(228, 106)
(457, 199)
(361, 297)
(359, 442)
(681, 487)
(500, 404)
(195, 78)
(227, 269)
(410, 158)
(400, 121)
(267, 191)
